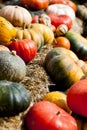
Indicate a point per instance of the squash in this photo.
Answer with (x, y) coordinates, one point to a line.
(7, 32)
(44, 30)
(40, 33)
(78, 44)
(14, 98)
(62, 66)
(25, 48)
(61, 9)
(17, 15)
(35, 4)
(12, 67)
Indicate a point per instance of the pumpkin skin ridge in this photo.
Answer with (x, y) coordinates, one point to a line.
(12, 99)
(44, 30)
(22, 96)
(16, 15)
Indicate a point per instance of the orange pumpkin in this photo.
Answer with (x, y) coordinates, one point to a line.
(35, 4)
(61, 42)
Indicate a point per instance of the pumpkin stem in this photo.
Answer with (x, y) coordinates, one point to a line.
(13, 52)
(58, 113)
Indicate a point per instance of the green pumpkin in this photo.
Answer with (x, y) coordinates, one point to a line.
(14, 98)
(61, 65)
(12, 67)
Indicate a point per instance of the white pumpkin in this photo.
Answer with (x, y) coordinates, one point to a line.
(61, 9)
(17, 15)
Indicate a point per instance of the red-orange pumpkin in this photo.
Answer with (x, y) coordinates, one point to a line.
(35, 4)
(25, 48)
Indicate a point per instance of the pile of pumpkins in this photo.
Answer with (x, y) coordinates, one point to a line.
(22, 36)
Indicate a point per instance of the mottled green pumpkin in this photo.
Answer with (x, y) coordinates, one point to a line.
(14, 98)
(62, 65)
(12, 67)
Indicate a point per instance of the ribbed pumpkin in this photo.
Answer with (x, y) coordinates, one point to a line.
(7, 31)
(38, 32)
(62, 66)
(17, 15)
(14, 98)
(12, 67)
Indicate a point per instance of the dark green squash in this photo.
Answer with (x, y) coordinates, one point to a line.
(12, 67)
(62, 65)
(78, 44)
(14, 98)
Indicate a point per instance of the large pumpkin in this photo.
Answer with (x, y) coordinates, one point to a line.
(14, 98)
(63, 67)
(12, 67)
(7, 32)
(17, 15)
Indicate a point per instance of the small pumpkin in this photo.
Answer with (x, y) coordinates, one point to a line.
(62, 65)
(7, 32)
(12, 67)
(17, 15)
(14, 98)
(25, 48)
(61, 42)
(61, 30)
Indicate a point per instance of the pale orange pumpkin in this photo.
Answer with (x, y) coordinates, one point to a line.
(17, 15)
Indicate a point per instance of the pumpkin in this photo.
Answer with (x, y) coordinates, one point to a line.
(35, 4)
(61, 9)
(45, 115)
(66, 2)
(39, 33)
(14, 98)
(12, 67)
(61, 42)
(7, 32)
(17, 15)
(25, 48)
(62, 66)
(61, 30)
(78, 91)
(58, 20)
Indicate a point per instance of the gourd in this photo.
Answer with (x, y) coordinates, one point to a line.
(17, 15)
(12, 67)
(14, 98)
(24, 48)
(61, 9)
(7, 32)
(37, 32)
(78, 44)
(63, 67)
